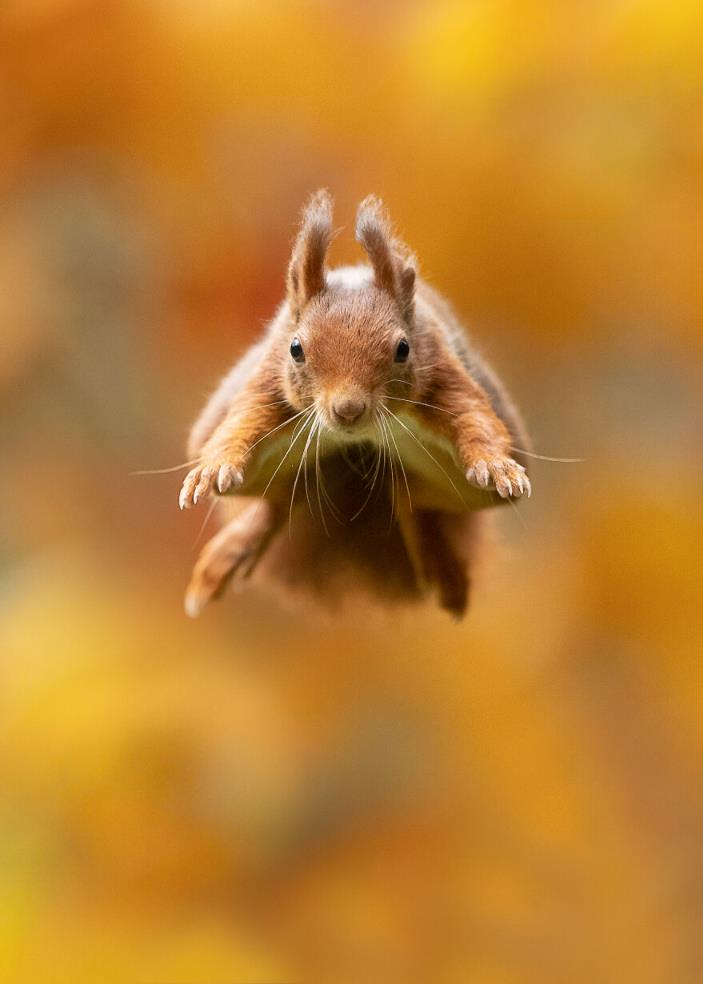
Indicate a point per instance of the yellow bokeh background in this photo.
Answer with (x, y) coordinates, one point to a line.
(275, 794)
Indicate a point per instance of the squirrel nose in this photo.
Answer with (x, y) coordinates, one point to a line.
(348, 409)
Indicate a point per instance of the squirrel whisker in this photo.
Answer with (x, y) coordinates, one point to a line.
(544, 457)
(315, 427)
(400, 462)
(194, 461)
(208, 514)
(390, 468)
(419, 403)
(263, 406)
(375, 467)
(294, 438)
(317, 482)
(431, 456)
(273, 430)
(166, 471)
(321, 488)
(309, 423)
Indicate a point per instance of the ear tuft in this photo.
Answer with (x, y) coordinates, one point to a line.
(393, 265)
(406, 290)
(306, 271)
(373, 231)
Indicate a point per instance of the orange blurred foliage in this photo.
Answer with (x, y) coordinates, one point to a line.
(269, 794)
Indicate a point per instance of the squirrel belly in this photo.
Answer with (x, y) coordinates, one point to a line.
(357, 442)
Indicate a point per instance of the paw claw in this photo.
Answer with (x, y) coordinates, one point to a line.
(204, 485)
(185, 499)
(203, 480)
(504, 489)
(507, 476)
(227, 477)
(478, 474)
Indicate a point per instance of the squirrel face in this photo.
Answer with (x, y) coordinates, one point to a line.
(351, 330)
(350, 345)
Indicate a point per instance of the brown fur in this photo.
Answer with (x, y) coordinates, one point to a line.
(447, 428)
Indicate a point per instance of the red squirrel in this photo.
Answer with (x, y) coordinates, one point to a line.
(363, 431)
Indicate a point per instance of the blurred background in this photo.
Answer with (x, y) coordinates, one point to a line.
(271, 794)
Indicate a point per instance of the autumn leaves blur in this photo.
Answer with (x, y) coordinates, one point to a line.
(267, 795)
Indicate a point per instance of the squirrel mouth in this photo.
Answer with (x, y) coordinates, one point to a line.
(356, 432)
(350, 423)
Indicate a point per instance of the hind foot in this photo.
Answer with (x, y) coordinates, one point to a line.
(446, 566)
(231, 555)
(453, 588)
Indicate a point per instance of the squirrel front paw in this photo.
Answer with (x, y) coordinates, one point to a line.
(207, 477)
(509, 478)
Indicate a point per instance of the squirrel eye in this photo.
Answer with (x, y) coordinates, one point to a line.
(296, 350)
(402, 350)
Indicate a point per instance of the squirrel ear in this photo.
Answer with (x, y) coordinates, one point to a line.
(393, 264)
(406, 288)
(306, 271)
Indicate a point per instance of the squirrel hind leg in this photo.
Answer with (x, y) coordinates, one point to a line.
(446, 562)
(232, 554)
